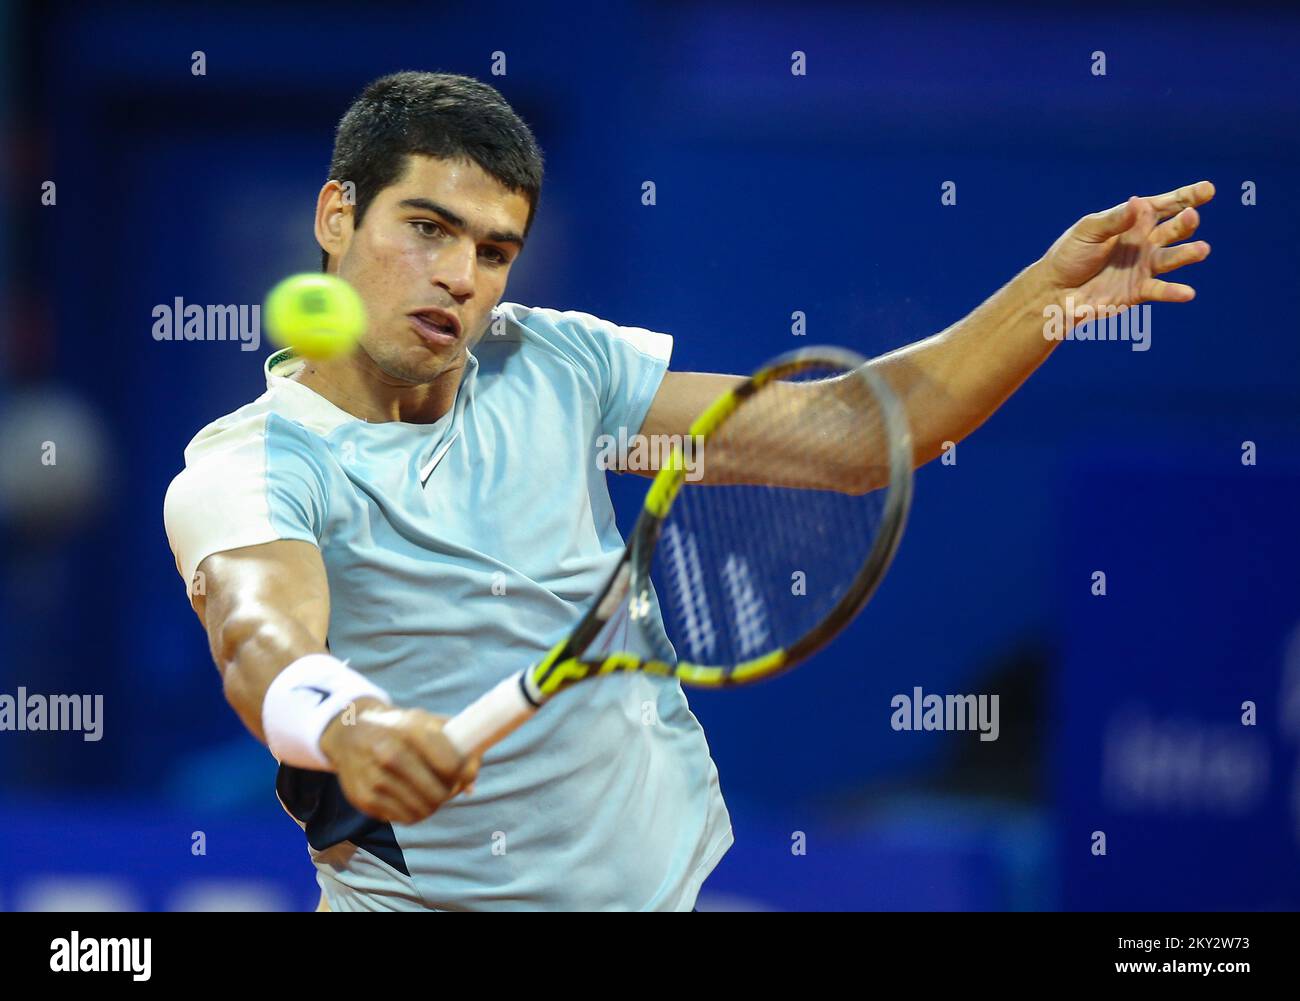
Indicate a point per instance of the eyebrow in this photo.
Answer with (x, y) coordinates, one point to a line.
(492, 236)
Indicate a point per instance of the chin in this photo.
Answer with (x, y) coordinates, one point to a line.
(421, 369)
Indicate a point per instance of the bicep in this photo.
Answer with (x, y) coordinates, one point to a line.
(682, 396)
(274, 582)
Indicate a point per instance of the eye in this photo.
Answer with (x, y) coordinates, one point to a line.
(427, 227)
(496, 256)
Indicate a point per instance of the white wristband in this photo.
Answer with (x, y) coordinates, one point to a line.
(301, 702)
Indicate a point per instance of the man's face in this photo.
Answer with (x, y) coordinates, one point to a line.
(443, 237)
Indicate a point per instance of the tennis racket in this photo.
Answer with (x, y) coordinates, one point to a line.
(763, 534)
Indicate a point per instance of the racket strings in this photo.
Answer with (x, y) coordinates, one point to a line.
(759, 553)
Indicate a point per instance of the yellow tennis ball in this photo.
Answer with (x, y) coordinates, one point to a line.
(320, 316)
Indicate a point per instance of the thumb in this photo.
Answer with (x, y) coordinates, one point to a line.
(468, 775)
(1101, 226)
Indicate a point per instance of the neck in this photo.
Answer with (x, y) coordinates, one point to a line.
(359, 387)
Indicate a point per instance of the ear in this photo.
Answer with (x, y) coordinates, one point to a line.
(333, 219)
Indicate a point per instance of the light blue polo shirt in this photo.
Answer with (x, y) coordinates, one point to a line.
(457, 553)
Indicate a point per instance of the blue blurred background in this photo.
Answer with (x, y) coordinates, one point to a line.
(1120, 713)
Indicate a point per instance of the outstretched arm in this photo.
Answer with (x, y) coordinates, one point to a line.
(952, 382)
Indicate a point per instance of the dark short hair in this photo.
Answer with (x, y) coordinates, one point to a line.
(435, 114)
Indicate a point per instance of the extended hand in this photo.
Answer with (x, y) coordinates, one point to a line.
(1110, 259)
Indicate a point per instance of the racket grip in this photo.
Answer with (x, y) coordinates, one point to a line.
(490, 717)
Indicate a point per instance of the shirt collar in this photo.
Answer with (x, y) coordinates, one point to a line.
(282, 364)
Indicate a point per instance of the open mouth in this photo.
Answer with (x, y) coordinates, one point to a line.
(436, 325)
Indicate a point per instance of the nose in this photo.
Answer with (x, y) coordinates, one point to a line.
(454, 268)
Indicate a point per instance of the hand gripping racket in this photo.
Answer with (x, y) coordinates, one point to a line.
(763, 534)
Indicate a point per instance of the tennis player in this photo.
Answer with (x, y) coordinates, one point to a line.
(377, 540)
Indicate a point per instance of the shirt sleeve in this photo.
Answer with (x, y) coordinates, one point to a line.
(257, 481)
(624, 364)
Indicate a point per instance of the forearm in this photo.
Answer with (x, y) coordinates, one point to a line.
(250, 649)
(264, 607)
(952, 382)
(949, 384)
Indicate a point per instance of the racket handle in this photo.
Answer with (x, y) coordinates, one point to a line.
(490, 717)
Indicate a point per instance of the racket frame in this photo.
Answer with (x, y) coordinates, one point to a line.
(516, 698)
